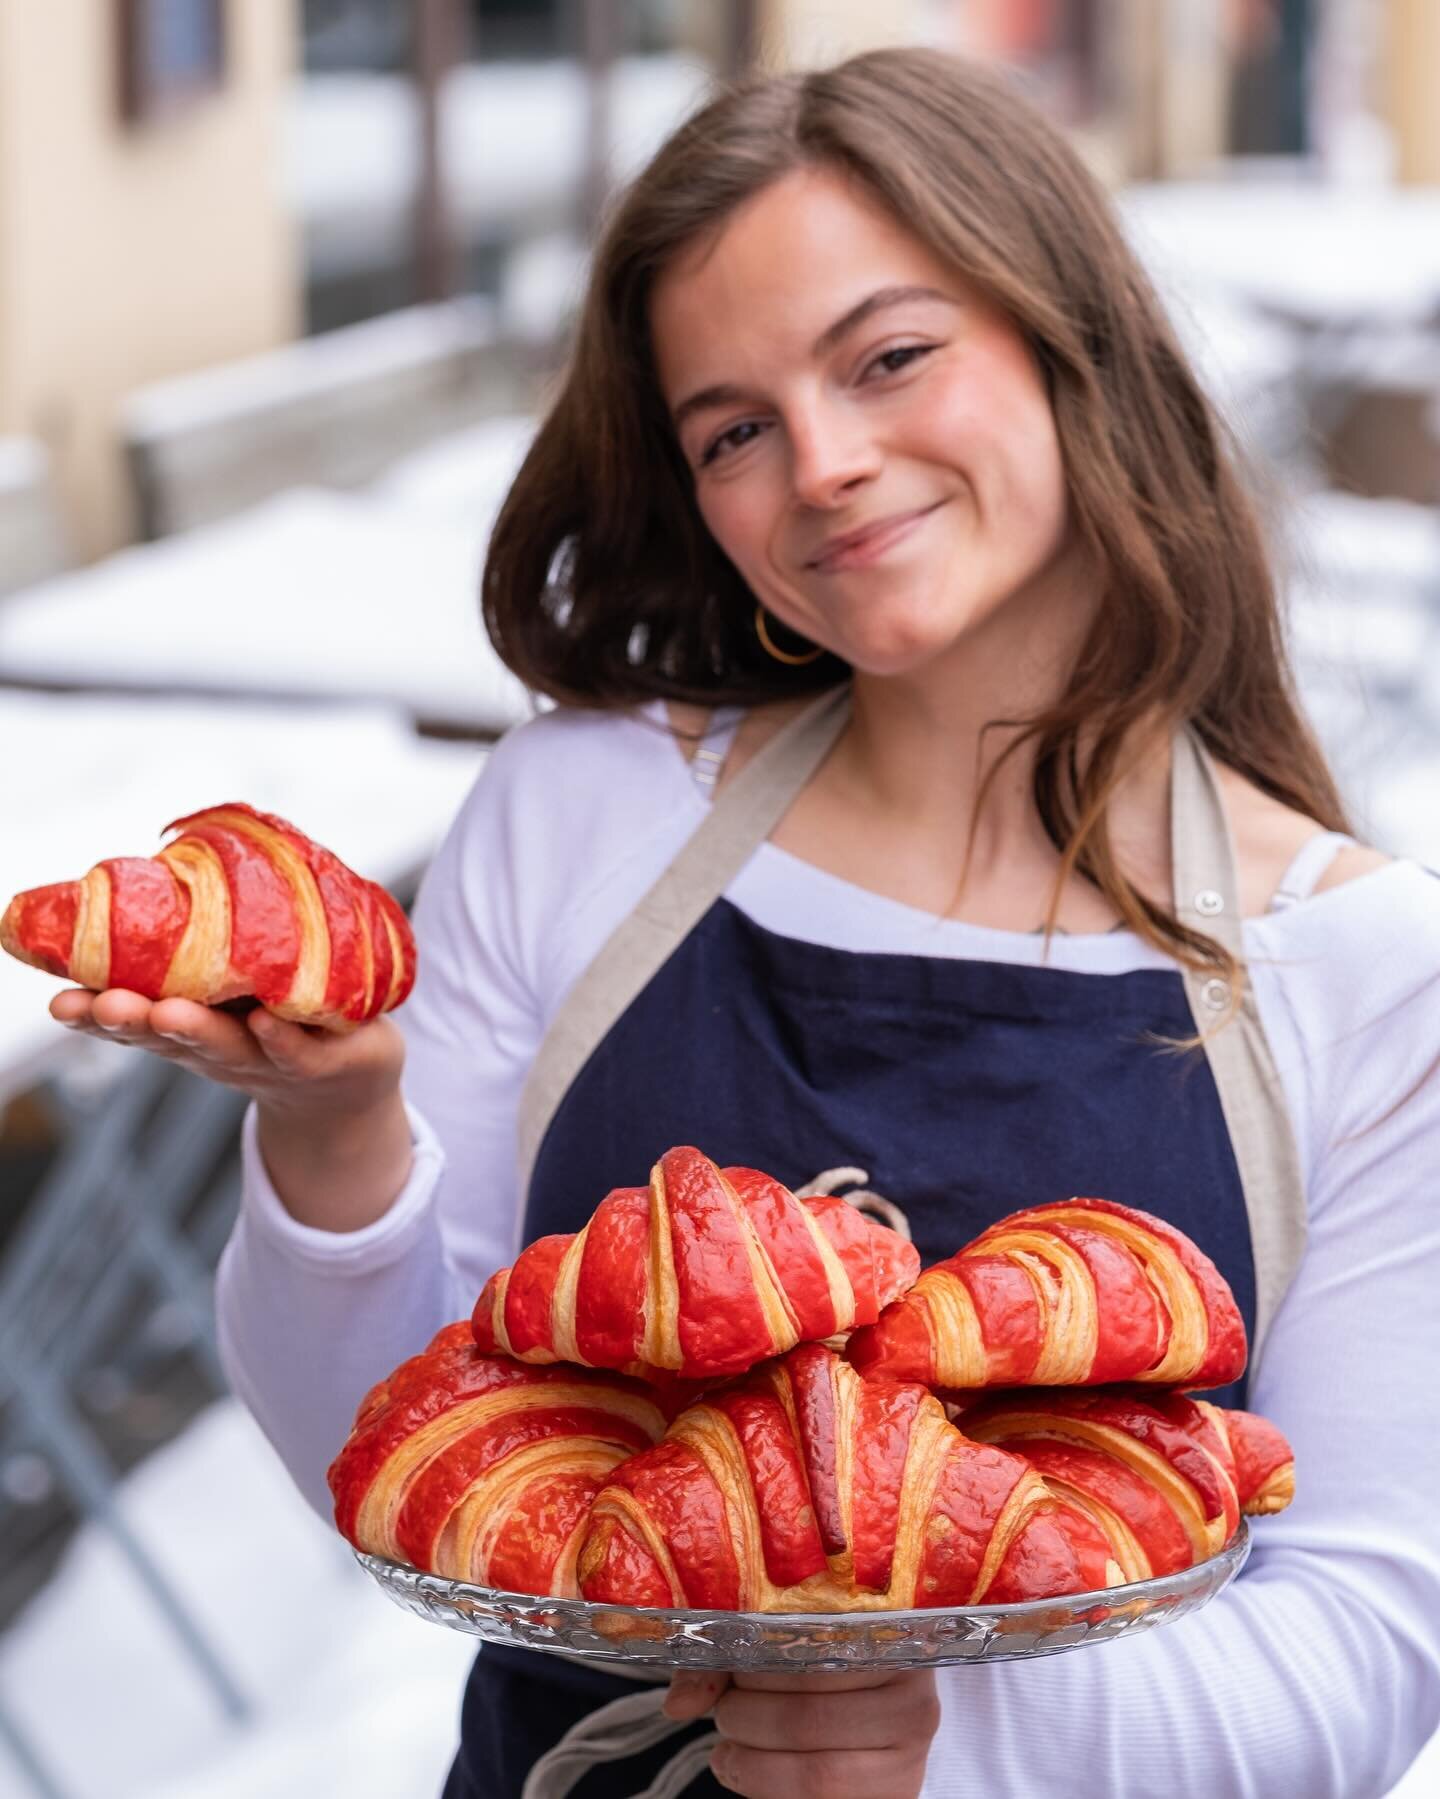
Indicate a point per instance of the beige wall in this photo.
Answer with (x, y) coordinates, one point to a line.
(1412, 78)
(128, 254)
(807, 33)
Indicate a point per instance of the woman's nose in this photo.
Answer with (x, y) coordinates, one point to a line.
(830, 455)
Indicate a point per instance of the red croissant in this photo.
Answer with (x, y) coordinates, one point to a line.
(1156, 1472)
(1072, 1294)
(241, 904)
(703, 1274)
(1264, 1460)
(480, 1469)
(804, 1488)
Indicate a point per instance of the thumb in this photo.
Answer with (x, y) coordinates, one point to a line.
(289, 1046)
(691, 1695)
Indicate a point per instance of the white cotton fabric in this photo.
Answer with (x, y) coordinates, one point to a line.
(1317, 1675)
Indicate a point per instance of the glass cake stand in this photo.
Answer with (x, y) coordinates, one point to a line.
(813, 1642)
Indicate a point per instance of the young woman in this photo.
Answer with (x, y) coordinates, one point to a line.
(915, 643)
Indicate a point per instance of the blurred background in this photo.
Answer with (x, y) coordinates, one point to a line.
(282, 285)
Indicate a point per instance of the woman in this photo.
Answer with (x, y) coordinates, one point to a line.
(879, 493)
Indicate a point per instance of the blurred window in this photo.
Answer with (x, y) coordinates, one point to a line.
(171, 52)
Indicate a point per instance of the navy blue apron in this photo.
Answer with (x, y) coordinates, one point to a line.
(964, 1088)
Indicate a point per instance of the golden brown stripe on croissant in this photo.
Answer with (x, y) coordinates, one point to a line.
(239, 905)
(480, 1469)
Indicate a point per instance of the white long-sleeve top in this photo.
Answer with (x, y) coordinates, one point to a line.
(1317, 1675)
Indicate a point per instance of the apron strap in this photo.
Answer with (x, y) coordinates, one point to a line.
(1207, 896)
(742, 817)
(626, 1726)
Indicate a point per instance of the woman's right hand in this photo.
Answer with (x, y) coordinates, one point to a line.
(332, 1123)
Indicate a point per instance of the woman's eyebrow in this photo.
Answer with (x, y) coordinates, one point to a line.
(726, 394)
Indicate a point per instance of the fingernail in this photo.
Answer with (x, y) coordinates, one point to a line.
(175, 1037)
(110, 1027)
(262, 1022)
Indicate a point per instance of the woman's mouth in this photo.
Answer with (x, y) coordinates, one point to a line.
(859, 552)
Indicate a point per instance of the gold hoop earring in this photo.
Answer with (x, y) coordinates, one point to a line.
(770, 648)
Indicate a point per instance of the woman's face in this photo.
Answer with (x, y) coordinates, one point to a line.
(871, 441)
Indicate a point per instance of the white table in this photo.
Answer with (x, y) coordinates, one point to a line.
(89, 777)
(1317, 254)
(316, 594)
(460, 479)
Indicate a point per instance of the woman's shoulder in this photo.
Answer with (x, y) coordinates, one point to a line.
(571, 758)
(1360, 942)
(1269, 835)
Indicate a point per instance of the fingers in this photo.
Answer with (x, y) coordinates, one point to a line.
(72, 1006)
(855, 1711)
(831, 1735)
(324, 1072)
(692, 1695)
(836, 1774)
(289, 1047)
(179, 1029)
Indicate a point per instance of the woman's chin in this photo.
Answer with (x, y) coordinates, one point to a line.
(894, 654)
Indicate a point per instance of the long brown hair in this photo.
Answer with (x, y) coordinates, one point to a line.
(603, 586)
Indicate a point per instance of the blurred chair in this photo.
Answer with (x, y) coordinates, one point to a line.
(328, 411)
(32, 537)
(124, 1228)
(105, 1280)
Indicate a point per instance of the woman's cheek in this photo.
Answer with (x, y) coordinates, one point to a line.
(740, 526)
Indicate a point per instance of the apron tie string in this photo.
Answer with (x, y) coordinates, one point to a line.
(625, 1727)
(862, 1198)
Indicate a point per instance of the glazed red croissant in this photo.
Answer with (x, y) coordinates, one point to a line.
(703, 1274)
(1073, 1294)
(1157, 1472)
(1264, 1460)
(480, 1469)
(241, 904)
(804, 1488)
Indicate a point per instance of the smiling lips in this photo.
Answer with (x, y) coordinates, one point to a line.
(857, 548)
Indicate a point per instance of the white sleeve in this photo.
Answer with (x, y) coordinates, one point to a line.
(1317, 1674)
(572, 817)
(309, 1320)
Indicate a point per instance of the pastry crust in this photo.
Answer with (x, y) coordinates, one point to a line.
(1157, 1472)
(701, 1275)
(240, 905)
(804, 1488)
(1081, 1293)
(481, 1469)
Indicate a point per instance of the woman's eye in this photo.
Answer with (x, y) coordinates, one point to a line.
(728, 441)
(892, 361)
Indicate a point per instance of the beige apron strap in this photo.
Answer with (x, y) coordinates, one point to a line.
(742, 817)
(1207, 896)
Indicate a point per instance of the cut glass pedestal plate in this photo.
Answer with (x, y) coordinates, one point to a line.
(814, 1642)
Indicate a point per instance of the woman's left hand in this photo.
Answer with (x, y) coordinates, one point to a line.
(815, 1736)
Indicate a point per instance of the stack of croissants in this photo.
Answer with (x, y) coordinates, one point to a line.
(720, 1395)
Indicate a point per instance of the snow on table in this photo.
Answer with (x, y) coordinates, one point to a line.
(313, 593)
(350, 1694)
(1318, 254)
(94, 776)
(462, 478)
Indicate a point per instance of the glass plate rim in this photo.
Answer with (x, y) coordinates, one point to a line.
(1236, 1551)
